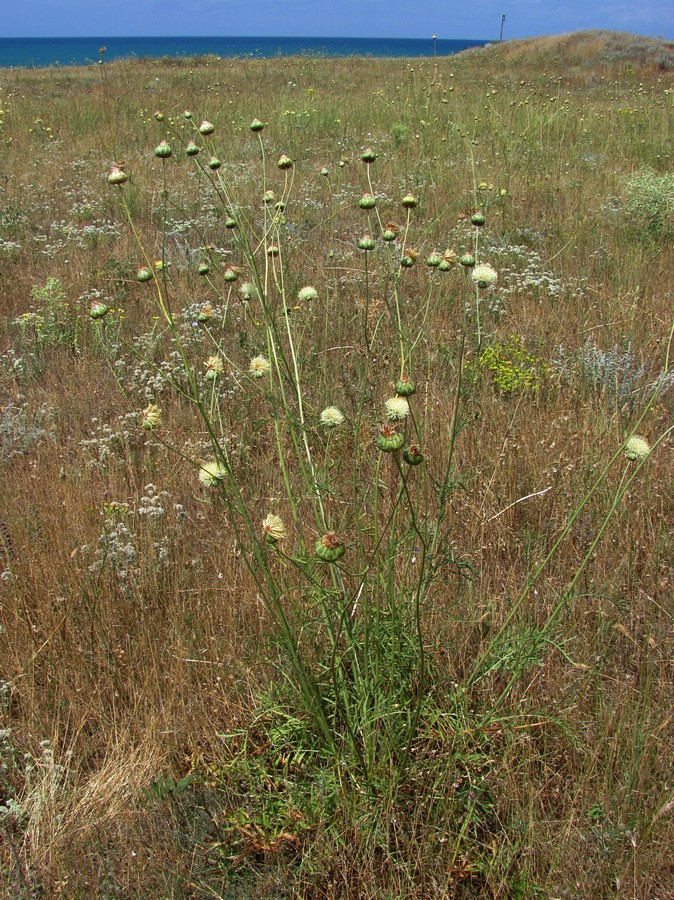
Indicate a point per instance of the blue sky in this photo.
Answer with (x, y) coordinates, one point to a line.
(330, 18)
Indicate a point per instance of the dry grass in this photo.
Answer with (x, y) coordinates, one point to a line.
(133, 667)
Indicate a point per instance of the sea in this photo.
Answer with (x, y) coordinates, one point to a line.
(38, 52)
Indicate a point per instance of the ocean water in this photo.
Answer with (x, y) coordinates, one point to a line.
(31, 52)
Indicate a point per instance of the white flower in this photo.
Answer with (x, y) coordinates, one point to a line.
(332, 417)
(274, 529)
(151, 417)
(214, 367)
(248, 291)
(307, 293)
(484, 275)
(397, 408)
(637, 449)
(259, 366)
(211, 473)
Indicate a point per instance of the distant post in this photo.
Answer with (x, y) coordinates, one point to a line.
(435, 58)
(502, 24)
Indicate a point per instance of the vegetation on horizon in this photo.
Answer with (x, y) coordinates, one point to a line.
(335, 465)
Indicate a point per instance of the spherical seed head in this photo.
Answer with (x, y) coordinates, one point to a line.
(211, 473)
(388, 235)
(409, 201)
(231, 273)
(259, 366)
(187, 114)
(478, 220)
(368, 155)
(151, 417)
(284, 162)
(256, 125)
(98, 310)
(397, 408)
(274, 529)
(325, 172)
(214, 163)
(268, 197)
(206, 127)
(467, 260)
(144, 274)
(159, 116)
(272, 250)
(434, 260)
(484, 276)
(230, 222)
(637, 449)
(192, 149)
(366, 243)
(204, 268)
(332, 417)
(367, 201)
(307, 294)
(117, 175)
(163, 150)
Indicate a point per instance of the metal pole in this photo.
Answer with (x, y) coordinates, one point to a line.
(502, 24)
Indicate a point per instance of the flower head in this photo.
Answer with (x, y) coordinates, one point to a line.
(637, 449)
(332, 417)
(206, 127)
(484, 275)
(259, 366)
(397, 408)
(211, 473)
(151, 417)
(274, 529)
(214, 367)
(307, 293)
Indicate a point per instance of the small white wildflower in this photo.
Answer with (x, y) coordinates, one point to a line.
(332, 417)
(637, 449)
(211, 473)
(307, 293)
(484, 275)
(259, 366)
(397, 408)
(274, 529)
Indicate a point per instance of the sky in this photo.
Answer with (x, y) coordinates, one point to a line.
(330, 18)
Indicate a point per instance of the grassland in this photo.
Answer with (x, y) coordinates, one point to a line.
(475, 699)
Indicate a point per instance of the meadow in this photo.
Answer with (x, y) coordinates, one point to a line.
(336, 484)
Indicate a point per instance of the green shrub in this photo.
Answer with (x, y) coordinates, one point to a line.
(650, 203)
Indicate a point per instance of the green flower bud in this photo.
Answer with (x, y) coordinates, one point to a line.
(388, 439)
(163, 151)
(329, 548)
